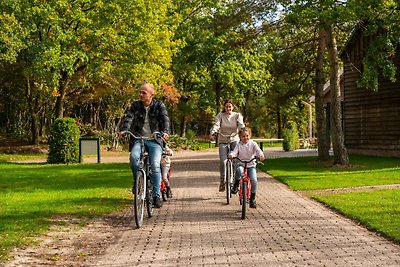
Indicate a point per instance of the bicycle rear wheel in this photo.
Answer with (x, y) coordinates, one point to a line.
(228, 180)
(140, 194)
(163, 191)
(149, 198)
(244, 198)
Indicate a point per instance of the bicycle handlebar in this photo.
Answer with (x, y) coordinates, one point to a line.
(155, 134)
(226, 135)
(248, 161)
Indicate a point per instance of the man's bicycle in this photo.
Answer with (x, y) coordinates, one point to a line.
(245, 185)
(228, 169)
(142, 188)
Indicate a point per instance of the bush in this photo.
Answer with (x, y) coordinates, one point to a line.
(64, 141)
(291, 139)
(177, 142)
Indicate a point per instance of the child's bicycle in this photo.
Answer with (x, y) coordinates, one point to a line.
(142, 189)
(228, 170)
(163, 187)
(245, 185)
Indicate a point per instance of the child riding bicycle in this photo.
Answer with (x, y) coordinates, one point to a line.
(245, 150)
(165, 167)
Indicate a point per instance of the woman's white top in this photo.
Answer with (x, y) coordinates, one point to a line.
(247, 152)
(228, 124)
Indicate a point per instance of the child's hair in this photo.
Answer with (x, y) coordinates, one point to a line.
(245, 130)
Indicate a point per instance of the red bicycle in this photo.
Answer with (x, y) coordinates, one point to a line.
(245, 185)
(163, 187)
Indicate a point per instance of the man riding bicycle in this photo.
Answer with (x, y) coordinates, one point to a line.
(143, 118)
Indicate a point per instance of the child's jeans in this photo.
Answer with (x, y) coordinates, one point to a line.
(251, 172)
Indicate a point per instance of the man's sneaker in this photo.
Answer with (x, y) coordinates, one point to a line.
(169, 192)
(157, 202)
(222, 187)
(235, 187)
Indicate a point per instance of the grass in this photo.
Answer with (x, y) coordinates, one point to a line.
(378, 210)
(21, 157)
(33, 195)
(305, 173)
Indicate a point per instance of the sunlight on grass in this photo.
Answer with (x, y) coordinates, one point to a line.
(307, 174)
(378, 210)
(31, 195)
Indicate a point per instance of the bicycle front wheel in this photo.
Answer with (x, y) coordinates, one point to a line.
(149, 198)
(244, 198)
(228, 180)
(140, 194)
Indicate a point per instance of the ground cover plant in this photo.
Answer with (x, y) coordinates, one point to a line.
(375, 208)
(33, 195)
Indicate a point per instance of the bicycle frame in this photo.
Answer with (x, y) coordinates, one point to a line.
(228, 170)
(143, 185)
(245, 186)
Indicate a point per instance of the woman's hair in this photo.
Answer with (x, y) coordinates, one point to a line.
(228, 101)
(245, 130)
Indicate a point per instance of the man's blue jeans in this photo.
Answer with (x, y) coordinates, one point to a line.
(155, 152)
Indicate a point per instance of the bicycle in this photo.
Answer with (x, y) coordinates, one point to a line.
(245, 185)
(163, 187)
(142, 189)
(228, 170)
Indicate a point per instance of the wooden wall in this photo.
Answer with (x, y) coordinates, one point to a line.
(371, 119)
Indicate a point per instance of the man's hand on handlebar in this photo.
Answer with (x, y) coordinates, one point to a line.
(123, 134)
(165, 136)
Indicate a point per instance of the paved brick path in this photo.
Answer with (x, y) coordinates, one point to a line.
(198, 228)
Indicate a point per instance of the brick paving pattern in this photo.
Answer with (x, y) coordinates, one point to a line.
(197, 228)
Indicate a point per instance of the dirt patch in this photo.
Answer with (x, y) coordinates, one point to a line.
(70, 243)
(349, 189)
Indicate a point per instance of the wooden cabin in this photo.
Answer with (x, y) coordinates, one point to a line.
(371, 120)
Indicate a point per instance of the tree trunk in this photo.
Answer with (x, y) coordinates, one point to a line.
(183, 126)
(33, 106)
(246, 97)
(218, 89)
(322, 141)
(61, 95)
(278, 115)
(339, 149)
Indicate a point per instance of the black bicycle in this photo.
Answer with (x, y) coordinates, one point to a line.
(228, 170)
(142, 189)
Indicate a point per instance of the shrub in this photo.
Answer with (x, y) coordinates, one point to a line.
(64, 141)
(177, 142)
(291, 137)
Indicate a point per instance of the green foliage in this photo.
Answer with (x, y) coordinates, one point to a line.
(64, 141)
(177, 142)
(291, 137)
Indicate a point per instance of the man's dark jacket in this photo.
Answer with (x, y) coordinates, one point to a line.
(135, 115)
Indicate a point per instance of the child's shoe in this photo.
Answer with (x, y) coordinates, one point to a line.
(253, 203)
(169, 192)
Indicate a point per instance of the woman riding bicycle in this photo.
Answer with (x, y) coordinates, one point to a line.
(143, 118)
(245, 150)
(228, 123)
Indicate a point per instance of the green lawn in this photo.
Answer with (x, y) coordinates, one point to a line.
(305, 173)
(378, 209)
(31, 195)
